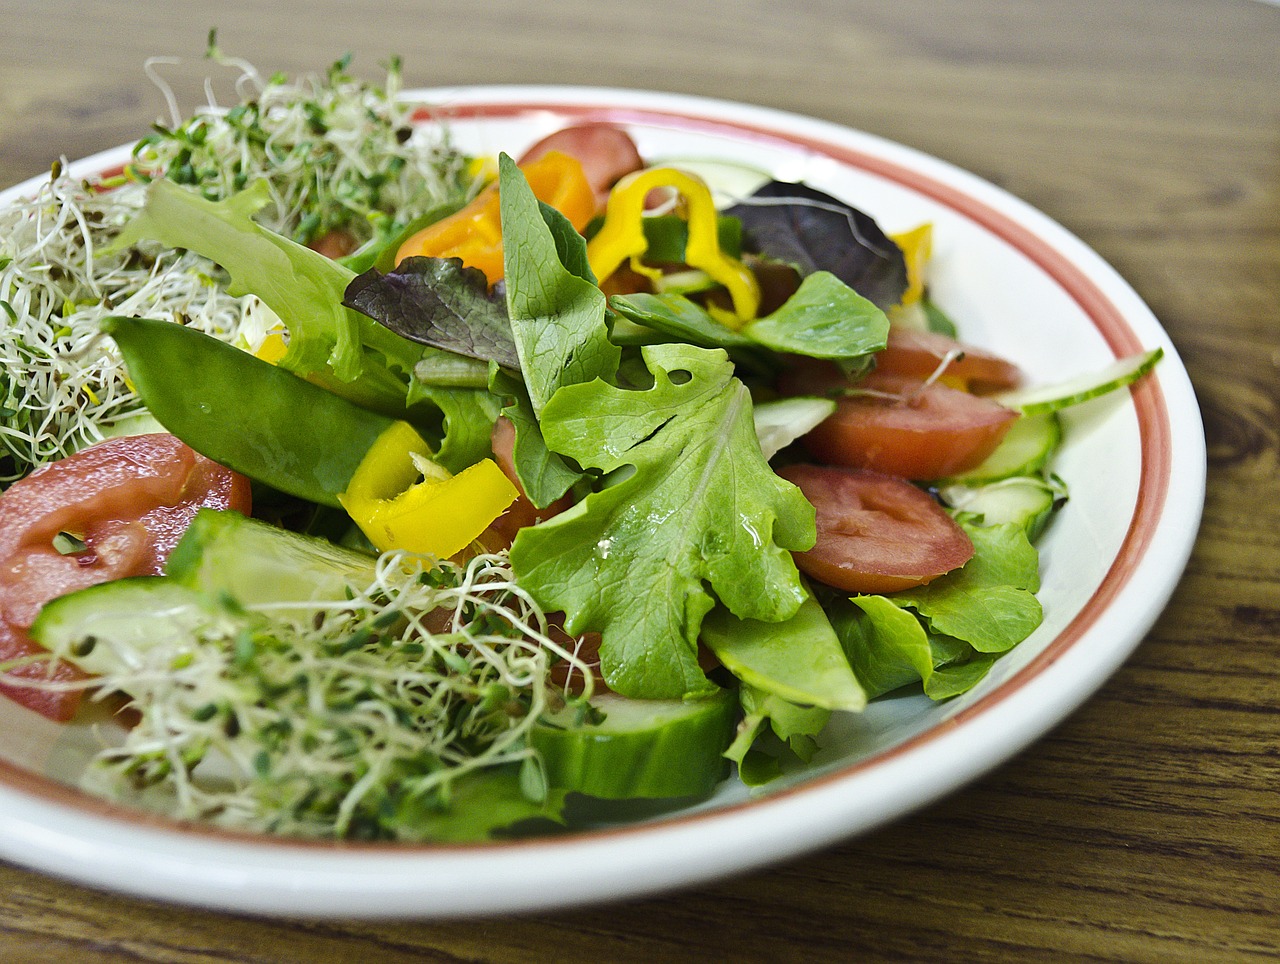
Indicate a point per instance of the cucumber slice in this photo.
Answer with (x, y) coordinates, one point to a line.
(1026, 501)
(1025, 450)
(1052, 398)
(782, 421)
(224, 552)
(649, 749)
(106, 629)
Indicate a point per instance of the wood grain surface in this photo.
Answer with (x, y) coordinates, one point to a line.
(1147, 826)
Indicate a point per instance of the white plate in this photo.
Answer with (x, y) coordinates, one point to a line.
(1014, 281)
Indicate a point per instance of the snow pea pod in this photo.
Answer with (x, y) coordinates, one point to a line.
(245, 413)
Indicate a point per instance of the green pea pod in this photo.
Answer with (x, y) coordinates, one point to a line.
(245, 413)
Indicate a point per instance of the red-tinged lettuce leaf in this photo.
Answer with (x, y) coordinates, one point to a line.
(438, 302)
(817, 232)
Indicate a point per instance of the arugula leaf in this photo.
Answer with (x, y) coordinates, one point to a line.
(699, 505)
(557, 316)
(817, 232)
(438, 302)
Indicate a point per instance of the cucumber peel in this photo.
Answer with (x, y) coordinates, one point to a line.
(106, 629)
(643, 748)
(1025, 449)
(1053, 398)
(223, 551)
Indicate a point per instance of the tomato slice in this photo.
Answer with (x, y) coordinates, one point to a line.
(876, 533)
(128, 500)
(906, 427)
(605, 152)
(918, 354)
(522, 512)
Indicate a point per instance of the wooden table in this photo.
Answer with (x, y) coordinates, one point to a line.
(1146, 827)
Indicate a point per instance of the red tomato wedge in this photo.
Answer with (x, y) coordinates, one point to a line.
(918, 354)
(605, 152)
(129, 500)
(909, 428)
(876, 533)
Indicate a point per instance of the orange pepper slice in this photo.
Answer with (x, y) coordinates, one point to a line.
(474, 233)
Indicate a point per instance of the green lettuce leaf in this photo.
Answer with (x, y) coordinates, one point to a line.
(557, 316)
(990, 603)
(947, 634)
(799, 659)
(693, 503)
(773, 732)
(825, 318)
(300, 285)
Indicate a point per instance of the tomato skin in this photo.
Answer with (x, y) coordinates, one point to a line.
(910, 429)
(605, 152)
(918, 354)
(876, 533)
(129, 500)
(502, 531)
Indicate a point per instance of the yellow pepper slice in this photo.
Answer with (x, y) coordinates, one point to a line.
(474, 233)
(621, 237)
(917, 248)
(438, 516)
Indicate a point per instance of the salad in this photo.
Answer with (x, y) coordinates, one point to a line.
(384, 492)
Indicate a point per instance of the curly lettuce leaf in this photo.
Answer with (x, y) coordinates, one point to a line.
(302, 286)
(692, 504)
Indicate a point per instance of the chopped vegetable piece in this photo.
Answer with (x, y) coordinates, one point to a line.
(622, 237)
(876, 533)
(474, 234)
(438, 516)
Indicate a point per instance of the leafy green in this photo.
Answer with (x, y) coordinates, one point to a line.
(466, 433)
(773, 731)
(817, 232)
(799, 659)
(990, 602)
(825, 318)
(947, 634)
(557, 316)
(699, 506)
(301, 286)
(438, 302)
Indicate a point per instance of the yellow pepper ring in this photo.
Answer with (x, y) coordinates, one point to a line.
(622, 236)
(438, 516)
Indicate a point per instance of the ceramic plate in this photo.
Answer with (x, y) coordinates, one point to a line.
(1016, 282)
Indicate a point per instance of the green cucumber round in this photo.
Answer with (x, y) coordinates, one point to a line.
(1026, 501)
(1025, 450)
(105, 629)
(648, 749)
